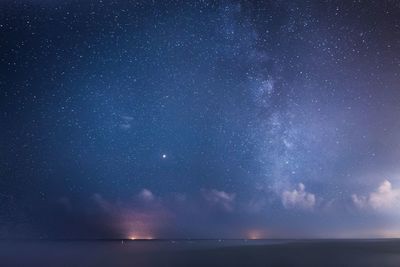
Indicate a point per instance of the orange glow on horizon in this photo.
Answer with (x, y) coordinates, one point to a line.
(140, 237)
(255, 234)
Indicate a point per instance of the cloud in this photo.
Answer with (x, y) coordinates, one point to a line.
(146, 195)
(132, 220)
(220, 198)
(101, 202)
(359, 201)
(125, 126)
(385, 197)
(126, 122)
(298, 198)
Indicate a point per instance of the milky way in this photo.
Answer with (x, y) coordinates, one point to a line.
(199, 119)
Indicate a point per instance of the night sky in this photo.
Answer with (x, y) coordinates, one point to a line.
(199, 119)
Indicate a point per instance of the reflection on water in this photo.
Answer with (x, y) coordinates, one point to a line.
(201, 253)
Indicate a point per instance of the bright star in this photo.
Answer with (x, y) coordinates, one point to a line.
(164, 156)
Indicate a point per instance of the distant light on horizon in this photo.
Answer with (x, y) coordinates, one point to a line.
(138, 237)
(255, 234)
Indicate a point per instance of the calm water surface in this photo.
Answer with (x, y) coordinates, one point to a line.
(201, 253)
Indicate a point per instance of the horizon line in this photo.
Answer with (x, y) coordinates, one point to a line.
(197, 239)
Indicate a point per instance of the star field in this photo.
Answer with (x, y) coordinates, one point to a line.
(199, 119)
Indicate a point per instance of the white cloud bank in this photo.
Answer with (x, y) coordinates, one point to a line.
(298, 198)
(384, 198)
